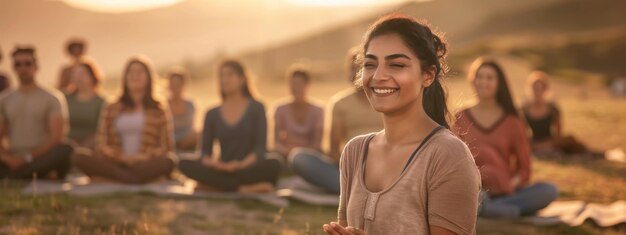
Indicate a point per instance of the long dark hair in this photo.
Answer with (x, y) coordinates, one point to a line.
(148, 99)
(428, 47)
(239, 70)
(503, 94)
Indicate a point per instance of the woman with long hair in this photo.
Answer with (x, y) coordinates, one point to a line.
(497, 138)
(134, 143)
(415, 176)
(239, 125)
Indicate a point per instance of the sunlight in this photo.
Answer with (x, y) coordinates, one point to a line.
(120, 6)
(344, 2)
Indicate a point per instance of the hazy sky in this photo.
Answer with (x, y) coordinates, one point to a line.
(192, 29)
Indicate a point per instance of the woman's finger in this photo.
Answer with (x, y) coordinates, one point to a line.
(329, 230)
(355, 231)
(339, 229)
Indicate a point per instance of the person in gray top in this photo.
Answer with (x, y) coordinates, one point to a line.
(32, 123)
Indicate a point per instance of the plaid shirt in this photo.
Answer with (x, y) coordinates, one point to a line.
(157, 138)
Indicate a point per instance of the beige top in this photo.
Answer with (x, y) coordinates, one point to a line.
(440, 187)
(27, 117)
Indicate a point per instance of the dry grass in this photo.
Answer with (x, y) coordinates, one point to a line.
(597, 119)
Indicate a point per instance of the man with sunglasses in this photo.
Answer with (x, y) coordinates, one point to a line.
(32, 124)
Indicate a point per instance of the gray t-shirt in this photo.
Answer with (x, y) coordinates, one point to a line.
(27, 117)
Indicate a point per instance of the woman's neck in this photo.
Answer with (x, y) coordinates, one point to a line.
(407, 126)
(487, 104)
(300, 103)
(235, 98)
(176, 97)
(137, 97)
(85, 94)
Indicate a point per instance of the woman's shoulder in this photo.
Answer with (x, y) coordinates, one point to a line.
(355, 147)
(356, 144)
(316, 108)
(449, 150)
(448, 141)
(449, 147)
(462, 113)
(257, 105)
(213, 110)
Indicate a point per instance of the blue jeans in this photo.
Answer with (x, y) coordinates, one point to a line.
(311, 166)
(525, 201)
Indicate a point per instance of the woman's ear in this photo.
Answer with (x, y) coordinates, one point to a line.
(429, 76)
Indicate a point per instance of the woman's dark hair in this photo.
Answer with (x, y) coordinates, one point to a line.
(503, 94)
(94, 73)
(148, 99)
(301, 73)
(429, 48)
(239, 70)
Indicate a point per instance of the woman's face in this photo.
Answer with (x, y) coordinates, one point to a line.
(486, 82)
(298, 87)
(176, 85)
(82, 78)
(539, 90)
(392, 75)
(230, 81)
(137, 77)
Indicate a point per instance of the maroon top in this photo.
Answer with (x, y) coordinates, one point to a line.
(507, 137)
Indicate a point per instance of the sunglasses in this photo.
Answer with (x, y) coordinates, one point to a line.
(24, 64)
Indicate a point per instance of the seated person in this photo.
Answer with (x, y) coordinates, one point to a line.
(32, 123)
(544, 119)
(352, 115)
(84, 104)
(134, 144)
(183, 111)
(240, 126)
(298, 124)
(496, 137)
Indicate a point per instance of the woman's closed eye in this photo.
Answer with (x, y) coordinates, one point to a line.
(369, 65)
(397, 65)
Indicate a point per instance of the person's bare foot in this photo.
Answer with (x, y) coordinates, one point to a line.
(206, 188)
(262, 187)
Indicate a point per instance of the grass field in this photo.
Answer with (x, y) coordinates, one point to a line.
(589, 112)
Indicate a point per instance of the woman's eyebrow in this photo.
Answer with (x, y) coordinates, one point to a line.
(389, 57)
(395, 56)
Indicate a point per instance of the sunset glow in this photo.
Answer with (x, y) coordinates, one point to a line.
(120, 6)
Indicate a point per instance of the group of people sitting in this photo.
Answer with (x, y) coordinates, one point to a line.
(134, 139)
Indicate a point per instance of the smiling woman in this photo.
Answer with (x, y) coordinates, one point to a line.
(120, 6)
